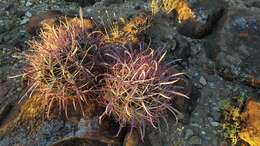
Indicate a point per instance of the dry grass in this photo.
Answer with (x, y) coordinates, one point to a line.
(180, 6)
(123, 31)
(140, 88)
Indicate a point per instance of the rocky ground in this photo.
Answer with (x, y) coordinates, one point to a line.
(219, 52)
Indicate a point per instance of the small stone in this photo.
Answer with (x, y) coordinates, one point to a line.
(28, 14)
(196, 114)
(214, 124)
(214, 141)
(188, 133)
(216, 116)
(173, 44)
(203, 81)
(195, 125)
(195, 140)
(24, 21)
(211, 85)
(89, 10)
(28, 4)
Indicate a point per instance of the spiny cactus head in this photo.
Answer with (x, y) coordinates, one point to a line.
(140, 89)
(60, 66)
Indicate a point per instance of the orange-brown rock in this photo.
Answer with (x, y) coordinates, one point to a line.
(36, 22)
(254, 82)
(134, 139)
(251, 132)
(52, 18)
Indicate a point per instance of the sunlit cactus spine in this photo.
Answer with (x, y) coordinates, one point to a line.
(140, 89)
(60, 66)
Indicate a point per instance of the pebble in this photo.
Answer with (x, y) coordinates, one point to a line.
(216, 116)
(24, 21)
(195, 125)
(173, 44)
(211, 85)
(19, 89)
(196, 114)
(214, 124)
(214, 141)
(203, 81)
(188, 133)
(28, 14)
(195, 140)
(28, 4)
(89, 10)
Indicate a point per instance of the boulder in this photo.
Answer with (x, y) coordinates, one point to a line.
(253, 3)
(36, 22)
(207, 13)
(52, 18)
(251, 117)
(235, 46)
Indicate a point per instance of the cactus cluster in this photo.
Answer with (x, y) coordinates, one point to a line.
(73, 64)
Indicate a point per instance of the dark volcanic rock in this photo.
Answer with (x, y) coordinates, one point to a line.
(4, 111)
(4, 90)
(109, 2)
(83, 3)
(78, 142)
(207, 14)
(182, 50)
(256, 4)
(235, 47)
(253, 3)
